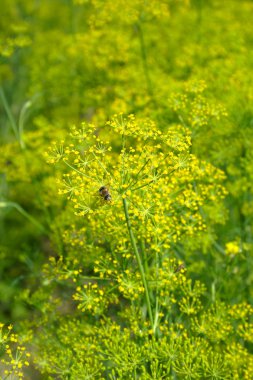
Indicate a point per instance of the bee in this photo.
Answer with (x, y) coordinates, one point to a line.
(179, 268)
(104, 192)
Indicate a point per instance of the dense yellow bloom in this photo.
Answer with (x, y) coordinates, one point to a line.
(13, 355)
(164, 184)
(232, 248)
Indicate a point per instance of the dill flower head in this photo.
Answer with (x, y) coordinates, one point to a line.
(14, 357)
(132, 159)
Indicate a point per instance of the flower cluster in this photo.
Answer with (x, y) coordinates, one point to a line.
(14, 358)
(193, 109)
(92, 298)
(164, 184)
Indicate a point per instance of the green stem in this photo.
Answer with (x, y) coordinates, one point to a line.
(11, 118)
(144, 60)
(24, 213)
(146, 184)
(96, 278)
(144, 255)
(142, 272)
(156, 293)
(22, 118)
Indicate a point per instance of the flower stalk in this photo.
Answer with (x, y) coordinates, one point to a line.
(141, 268)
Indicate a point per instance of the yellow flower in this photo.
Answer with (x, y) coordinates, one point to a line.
(232, 248)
